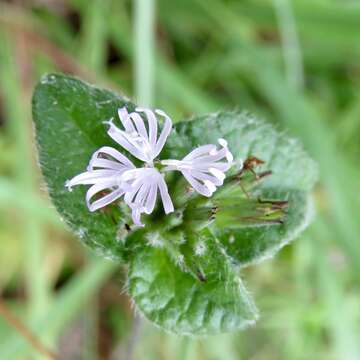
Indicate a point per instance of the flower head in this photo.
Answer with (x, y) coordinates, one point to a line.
(144, 184)
(113, 172)
(204, 168)
(112, 175)
(139, 140)
(105, 170)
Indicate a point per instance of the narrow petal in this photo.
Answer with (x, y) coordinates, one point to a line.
(151, 199)
(165, 197)
(164, 133)
(138, 139)
(106, 164)
(103, 201)
(200, 175)
(204, 167)
(136, 216)
(222, 166)
(105, 171)
(126, 141)
(152, 125)
(130, 195)
(91, 177)
(213, 157)
(107, 150)
(210, 185)
(228, 155)
(125, 120)
(201, 150)
(142, 194)
(217, 173)
(197, 185)
(139, 124)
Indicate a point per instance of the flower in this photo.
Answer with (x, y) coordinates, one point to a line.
(136, 139)
(109, 170)
(103, 174)
(112, 175)
(141, 196)
(203, 167)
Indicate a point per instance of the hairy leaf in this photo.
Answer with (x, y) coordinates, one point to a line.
(294, 174)
(177, 301)
(68, 116)
(183, 272)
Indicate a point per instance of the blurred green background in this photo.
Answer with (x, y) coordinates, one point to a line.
(295, 63)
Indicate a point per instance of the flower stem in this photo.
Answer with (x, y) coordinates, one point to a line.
(144, 31)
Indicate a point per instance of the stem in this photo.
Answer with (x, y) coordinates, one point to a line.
(290, 43)
(144, 29)
(68, 303)
(13, 70)
(135, 335)
(25, 332)
(184, 348)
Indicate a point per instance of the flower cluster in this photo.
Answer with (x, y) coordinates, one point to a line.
(111, 172)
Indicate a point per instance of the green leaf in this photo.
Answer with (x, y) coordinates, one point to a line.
(294, 174)
(182, 274)
(177, 301)
(247, 246)
(68, 116)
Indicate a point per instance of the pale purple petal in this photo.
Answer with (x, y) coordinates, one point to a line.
(104, 200)
(139, 124)
(218, 174)
(109, 151)
(125, 120)
(136, 215)
(130, 195)
(104, 175)
(222, 166)
(213, 157)
(204, 167)
(151, 200)
(138, 139)
(201, 150)
(165, 197)
(142, 194)
(106, 164)
(197, 185)
(145, 183)
(205, 176)
(152, 125)
(210, 185)
(164, 132)
(127, 141)
(91, 177)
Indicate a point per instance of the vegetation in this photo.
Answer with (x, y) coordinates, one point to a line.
(293, 63)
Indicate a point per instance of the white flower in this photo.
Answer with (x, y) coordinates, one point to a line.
(112, 175)
(136, 138)
(103, 174)
(141, 196)
(204, 167)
